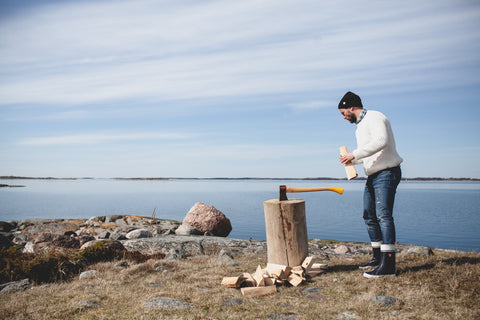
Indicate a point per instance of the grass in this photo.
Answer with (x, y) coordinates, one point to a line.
(443, 286)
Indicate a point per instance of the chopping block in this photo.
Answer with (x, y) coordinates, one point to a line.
(286, 226)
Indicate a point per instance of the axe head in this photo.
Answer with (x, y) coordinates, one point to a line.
(283, 193)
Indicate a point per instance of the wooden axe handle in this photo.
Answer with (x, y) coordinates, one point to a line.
(293, 189)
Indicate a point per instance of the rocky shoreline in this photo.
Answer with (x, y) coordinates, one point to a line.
(149, 236)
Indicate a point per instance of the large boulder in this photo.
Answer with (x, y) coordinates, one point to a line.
(208, 219)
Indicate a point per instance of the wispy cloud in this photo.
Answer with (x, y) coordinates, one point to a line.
(308, 105)
(97, 138)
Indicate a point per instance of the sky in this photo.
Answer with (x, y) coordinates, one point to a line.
(234, 88)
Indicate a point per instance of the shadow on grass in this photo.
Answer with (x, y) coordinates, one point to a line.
(460, 261)
(342, 268)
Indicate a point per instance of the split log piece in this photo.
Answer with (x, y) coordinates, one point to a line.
(249, 281)
(349, 168)
(295, 280)
(232, 282)
(307, 264)
(258, 291)
(258, 276)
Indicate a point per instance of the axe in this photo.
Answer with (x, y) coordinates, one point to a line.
(285, 189)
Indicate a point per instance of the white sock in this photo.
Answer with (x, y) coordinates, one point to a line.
(376, 244)
(387, 248)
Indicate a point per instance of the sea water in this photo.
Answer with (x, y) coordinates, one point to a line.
(439, 214)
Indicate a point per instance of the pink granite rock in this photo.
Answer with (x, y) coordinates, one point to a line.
(208, 219)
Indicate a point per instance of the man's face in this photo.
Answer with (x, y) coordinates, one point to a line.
(349, 115)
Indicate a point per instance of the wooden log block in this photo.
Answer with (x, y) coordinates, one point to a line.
(278, 271)
(258, 276)
(286, 228)
(349, 168)
(307, 264)
(268, 280)
(294, 279)
(258, 291)
(248, 280)
(232, 282)
(298, 270)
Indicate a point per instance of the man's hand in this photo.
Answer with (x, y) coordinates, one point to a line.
(346, 158)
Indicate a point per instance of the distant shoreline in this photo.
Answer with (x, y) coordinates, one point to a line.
(241, 178)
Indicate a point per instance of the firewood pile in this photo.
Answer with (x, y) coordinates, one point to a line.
(265, 280)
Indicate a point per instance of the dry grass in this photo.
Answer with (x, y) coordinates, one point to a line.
(442, 286)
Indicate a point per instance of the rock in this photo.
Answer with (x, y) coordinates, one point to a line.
(123, 264)
(29, 247)
(167, 303)
(86, 304)
(232, 302)
(70, 233)
(207, 218)
(5, 242)
(66, 242)
(85, 238)
(112, 244)
(6, 226)
(283, 316)
(314, 294)
(89, 274)
(121, 223)
(15, 286)
(342, 249)
(44, 237)
(175, 254)
(187, 230)
(195, 245)
(112, 218)
(48, 239)
(420, 250)
(54, 226)
(139, 233)
(103, 235)
(124, 229)
(92, 220)
(348, 315)
(117, 236)
(385, 301)
(21, 239)
(224, 256)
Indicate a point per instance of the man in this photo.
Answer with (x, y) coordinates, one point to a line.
(376, 150)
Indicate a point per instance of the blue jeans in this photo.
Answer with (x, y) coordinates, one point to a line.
(378, 199)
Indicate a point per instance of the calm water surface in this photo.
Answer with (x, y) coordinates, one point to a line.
(437, 214)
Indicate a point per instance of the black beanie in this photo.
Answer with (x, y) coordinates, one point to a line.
(349, 100)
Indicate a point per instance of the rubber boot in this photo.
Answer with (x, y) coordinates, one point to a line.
(386, 268)
(375, 261)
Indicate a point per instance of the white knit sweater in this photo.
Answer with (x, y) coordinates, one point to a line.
(375, 144)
